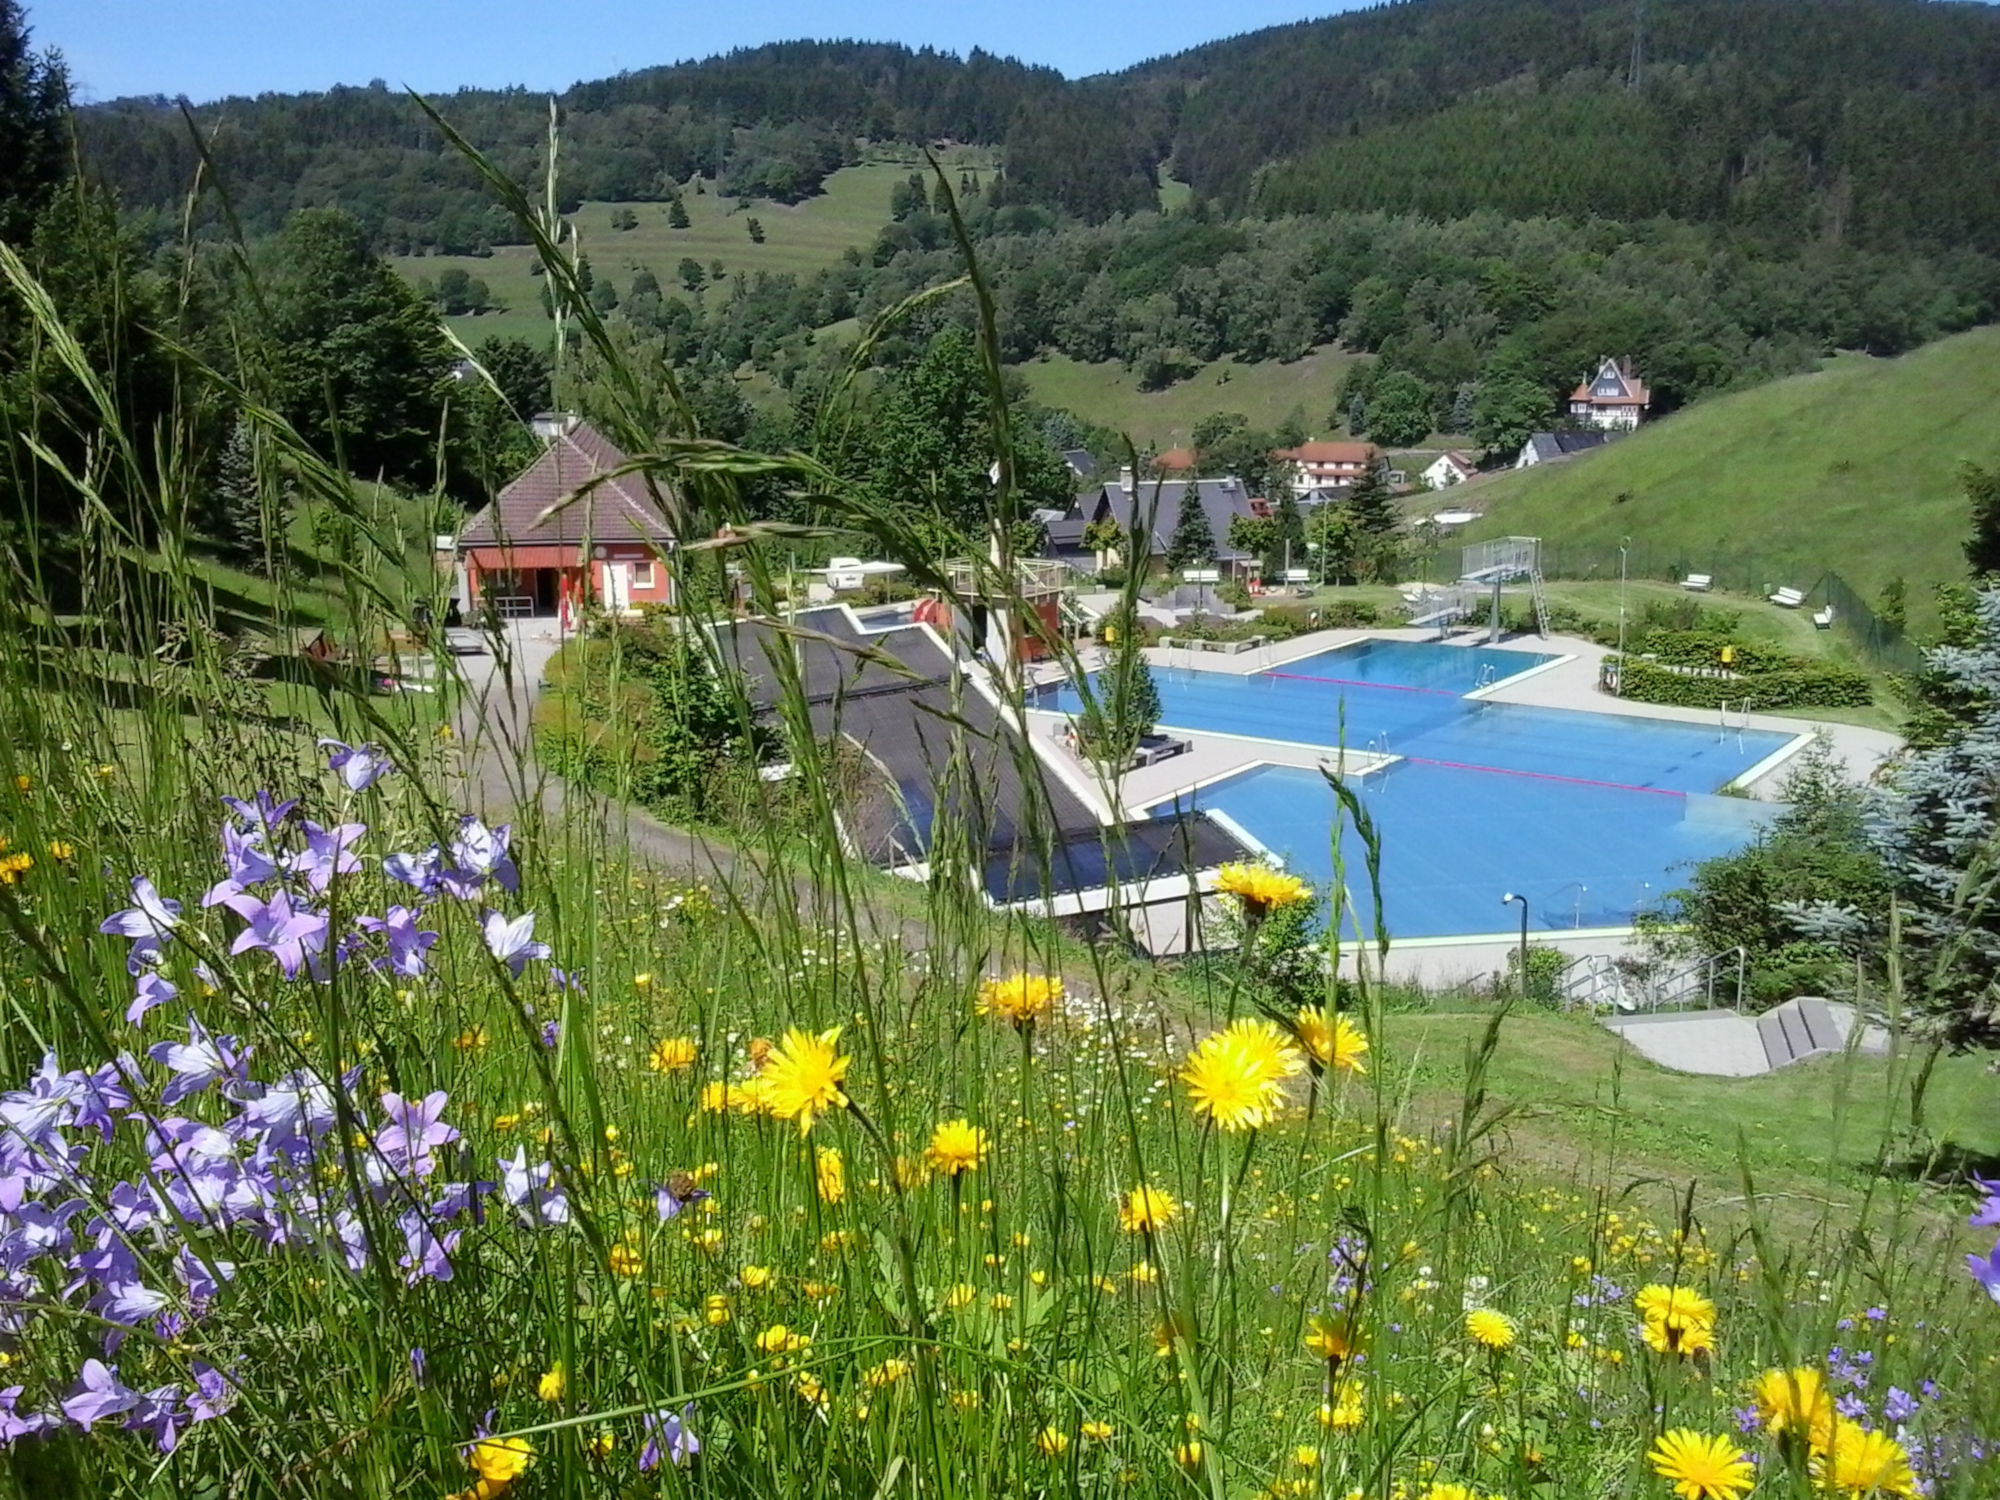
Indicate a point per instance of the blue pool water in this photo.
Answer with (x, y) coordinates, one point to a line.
(1454, 841)
(1413, 665)
(1592, 816)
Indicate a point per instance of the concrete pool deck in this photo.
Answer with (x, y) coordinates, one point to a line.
(1569, 682)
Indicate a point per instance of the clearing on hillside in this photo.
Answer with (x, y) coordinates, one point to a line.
(1109, 393)
(799, 238)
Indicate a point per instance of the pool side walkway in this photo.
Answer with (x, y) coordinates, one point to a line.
(1570, 683)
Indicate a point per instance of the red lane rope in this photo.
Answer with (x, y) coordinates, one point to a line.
(1616, 786)
(1391, 687)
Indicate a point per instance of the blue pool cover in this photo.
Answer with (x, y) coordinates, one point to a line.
(1592, 816)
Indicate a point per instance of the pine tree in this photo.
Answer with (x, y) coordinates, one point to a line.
(677, 214)
(1464, 408)
(1193, 542)
(755, 227)
(1372, 504)
(239, 519)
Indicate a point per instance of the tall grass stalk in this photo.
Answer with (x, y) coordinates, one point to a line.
(836, 1312)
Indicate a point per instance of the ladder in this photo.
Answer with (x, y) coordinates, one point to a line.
(1541, 600)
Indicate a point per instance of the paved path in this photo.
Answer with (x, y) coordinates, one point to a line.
(504, 782)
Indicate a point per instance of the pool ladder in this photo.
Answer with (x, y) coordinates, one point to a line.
(1487, 677)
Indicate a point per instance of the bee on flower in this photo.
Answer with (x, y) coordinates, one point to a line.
(1146, 1210)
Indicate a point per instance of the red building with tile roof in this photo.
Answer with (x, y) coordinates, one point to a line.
(562, 535)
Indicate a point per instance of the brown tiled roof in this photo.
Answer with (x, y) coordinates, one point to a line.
(1330, 453)
(618, 510)
(1635, 388)
(1175, 461)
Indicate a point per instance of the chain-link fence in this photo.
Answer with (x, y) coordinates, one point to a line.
(1759, 575)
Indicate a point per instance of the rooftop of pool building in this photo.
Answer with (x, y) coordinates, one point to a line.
(1594, 816)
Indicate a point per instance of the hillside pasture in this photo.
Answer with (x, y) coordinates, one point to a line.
(1853, 469)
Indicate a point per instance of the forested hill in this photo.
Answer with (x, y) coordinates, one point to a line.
(1873, 122)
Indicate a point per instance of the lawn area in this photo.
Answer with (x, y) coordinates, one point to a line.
(1852, 470)
(1580, 1093)
(799, 239)
(1109, 394)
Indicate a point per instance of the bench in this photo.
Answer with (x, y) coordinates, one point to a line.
(1699, 583)
(1788, 598)
(1823, 619)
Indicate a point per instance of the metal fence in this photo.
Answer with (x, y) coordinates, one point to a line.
(1757, 574)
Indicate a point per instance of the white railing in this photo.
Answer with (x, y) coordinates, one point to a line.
(1598, 981)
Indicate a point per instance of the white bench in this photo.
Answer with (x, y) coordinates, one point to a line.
(1699, 583)
(1788, 598)
(1823, 619)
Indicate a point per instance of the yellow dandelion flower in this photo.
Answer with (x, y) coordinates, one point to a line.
(1797, 1402)
(1677, 1319)
(715, 1309)
(61, 850)
(803, 1075)
(1331, 1041)
(1052, 1442)
(755, 1277)
(886, 1374)
(1489, 1329)
(674, 1054)
(501, 1461)
(830, 1175)
(1020, 999)
(956, 1146)
(1450, 1492)
(1146, 1210)
(1335, 1340)
(551, 1386)
(964, 1400)
(1260, 887)
(1698, 1467)
(1343, 1413)
(14, 866)
(961, 1295)
(1100, 1432)
(625, 1261)
(1305, 1456)
(1236, 1077)
(1188, 1454)
(1862, 1462)
(472, 1039)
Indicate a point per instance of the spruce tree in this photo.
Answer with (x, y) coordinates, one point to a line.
(239, 519)
(1193, 542)
(677, 215)
(1371, 503)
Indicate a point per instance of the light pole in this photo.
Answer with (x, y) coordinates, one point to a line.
(1623, 546)
(1511, 896)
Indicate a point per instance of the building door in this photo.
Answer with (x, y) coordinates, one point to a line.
(617, 587)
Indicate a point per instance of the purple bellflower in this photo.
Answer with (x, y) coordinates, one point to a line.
(16, 1424)
(1987, 1215)
(99, 1394)
(414, 1131)
(513, 943)
(480, 854)
(328, 852)
(150, 989)
(407, 942)
(1985, 1270)
(197, 1064)
(291, 935)
(359, 766)
(245, 863)
(669, 1436)
(147, 921)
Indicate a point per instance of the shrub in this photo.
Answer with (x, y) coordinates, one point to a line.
(1807, 685)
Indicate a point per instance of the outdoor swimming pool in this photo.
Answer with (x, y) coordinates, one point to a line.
(1592, 816)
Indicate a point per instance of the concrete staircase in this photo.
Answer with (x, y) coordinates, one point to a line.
(1802, 1028)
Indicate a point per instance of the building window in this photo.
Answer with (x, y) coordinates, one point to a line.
(642, 575)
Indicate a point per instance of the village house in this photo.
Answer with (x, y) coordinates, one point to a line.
(1448, 469)
(1547, 447)
(605, 547)
(1328, 466)
(1615, 399)
(1131, 503)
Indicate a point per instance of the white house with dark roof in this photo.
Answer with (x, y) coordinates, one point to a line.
(570, 530)
(1614, 399)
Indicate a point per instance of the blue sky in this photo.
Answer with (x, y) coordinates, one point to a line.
(208, 48)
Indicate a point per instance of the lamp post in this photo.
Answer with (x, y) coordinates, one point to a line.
(1624, 545)
(1511, 896)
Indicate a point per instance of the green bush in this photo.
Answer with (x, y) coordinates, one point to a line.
(1806, 685)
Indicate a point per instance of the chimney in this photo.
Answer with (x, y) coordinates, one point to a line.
(1125, 478)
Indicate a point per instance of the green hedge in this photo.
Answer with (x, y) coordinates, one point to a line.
(1801, 685)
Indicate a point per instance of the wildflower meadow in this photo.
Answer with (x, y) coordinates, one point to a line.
(378, 1119)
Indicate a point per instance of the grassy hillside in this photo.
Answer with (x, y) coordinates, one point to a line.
(799, 239)
(1109, 393)
(1853, 470)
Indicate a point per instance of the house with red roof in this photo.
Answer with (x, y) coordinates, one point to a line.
(569, 532)
(1615, 398)
(1328, 466)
